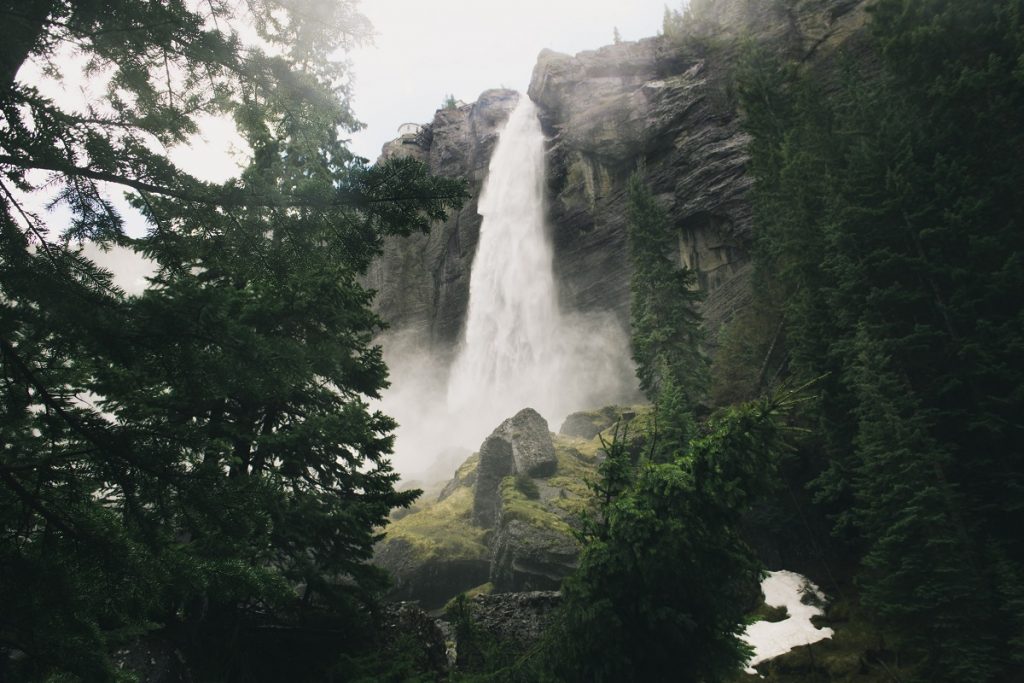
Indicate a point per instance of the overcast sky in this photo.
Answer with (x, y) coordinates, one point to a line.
(426, 49)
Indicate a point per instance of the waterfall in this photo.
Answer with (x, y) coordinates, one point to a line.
(518, 350)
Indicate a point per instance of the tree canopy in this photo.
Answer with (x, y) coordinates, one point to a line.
(887, 214)
(201, 457)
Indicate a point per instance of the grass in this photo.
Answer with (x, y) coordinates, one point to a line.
(442, 530)
(468, 467)
(516, 505)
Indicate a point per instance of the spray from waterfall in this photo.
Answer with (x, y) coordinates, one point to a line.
(519, 349)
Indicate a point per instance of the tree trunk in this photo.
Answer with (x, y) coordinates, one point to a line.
(24, 25)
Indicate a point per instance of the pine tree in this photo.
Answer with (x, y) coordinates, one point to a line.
(665, 578)
(665, 320)
(201, 458)
(884, 216)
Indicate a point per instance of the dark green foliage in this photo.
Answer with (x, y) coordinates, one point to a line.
(665, 580)
(199, 460)
(887, 211)
(663, 303)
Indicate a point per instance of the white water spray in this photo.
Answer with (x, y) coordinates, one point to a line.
(513, 324)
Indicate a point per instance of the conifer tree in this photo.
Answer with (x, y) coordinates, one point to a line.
(883, 214)
(663, 302)
(665, 578)
(200, 459)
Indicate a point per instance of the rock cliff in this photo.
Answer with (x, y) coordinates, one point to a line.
(667, 100)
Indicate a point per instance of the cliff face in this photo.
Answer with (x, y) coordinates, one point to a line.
(669, 101)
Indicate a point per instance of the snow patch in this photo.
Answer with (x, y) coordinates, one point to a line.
(771, 639)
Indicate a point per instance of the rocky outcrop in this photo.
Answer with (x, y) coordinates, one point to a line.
(532, 449)
(588, 424)
(504, 522)
(430, 579)
(531, 557)
(521, 445)
(496, 463)
(669, 101)
(513, 622)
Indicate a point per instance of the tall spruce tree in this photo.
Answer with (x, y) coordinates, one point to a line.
(664, 301)
(199, 460)
(665, 577)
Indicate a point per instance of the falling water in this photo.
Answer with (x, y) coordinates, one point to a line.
(519, 350)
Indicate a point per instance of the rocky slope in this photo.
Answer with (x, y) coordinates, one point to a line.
(668, 100)
(504, 523)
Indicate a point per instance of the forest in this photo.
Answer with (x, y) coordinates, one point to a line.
(199, 474)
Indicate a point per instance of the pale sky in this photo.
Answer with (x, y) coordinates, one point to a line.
(425, 50)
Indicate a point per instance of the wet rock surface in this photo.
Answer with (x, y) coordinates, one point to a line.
(531, 558)
(422, 281)
(521, 445)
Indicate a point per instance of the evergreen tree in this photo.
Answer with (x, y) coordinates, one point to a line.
(665, 579)
(885, 214)
(666, 330)
(200, 459)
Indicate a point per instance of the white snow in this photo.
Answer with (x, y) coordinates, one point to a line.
(771, 639)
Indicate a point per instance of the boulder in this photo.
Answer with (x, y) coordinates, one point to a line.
(513, 622)
(532, 448)
(496, 463)
(531, 557)
(520, 445)
(590, 423)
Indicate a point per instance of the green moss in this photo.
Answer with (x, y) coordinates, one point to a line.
(468, 467)
(442, 530)
(516, 506)
(577, 467)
